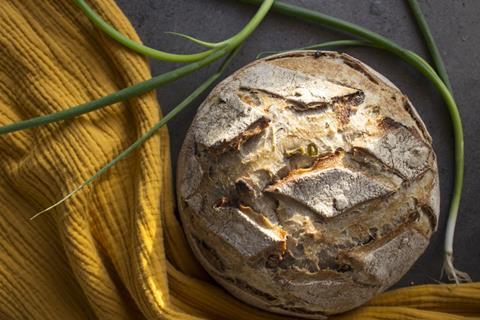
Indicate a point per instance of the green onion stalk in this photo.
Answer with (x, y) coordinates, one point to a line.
(323, 45)
(121, 95)
(452, 273)
(228, 44)
(430, 42)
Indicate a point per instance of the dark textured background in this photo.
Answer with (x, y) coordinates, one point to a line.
(454, 24)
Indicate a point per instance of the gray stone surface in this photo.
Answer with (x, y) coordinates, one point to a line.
(455, 26)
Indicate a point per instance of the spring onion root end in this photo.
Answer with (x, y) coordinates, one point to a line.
(451, 272)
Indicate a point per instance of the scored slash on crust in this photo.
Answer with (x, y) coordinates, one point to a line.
(304, 92)
(329, 191)
(239, 229)
(228, 123)
(399, 148)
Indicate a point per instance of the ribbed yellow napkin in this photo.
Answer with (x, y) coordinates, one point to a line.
(115, 250)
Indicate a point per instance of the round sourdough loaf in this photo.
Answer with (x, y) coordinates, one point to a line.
(307, 184)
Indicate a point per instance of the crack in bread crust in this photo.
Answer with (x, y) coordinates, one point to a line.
(307, 184)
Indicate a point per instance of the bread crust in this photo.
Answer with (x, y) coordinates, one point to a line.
(307, 184)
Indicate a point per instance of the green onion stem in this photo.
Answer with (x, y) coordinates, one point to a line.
(432, 47)
(329, 44)
(121, 95)
(182, 105)
(194, 40)
(420, 64)
(452, 273)
(229, 44)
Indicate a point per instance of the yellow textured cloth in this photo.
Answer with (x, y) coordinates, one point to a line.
(115, 250)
